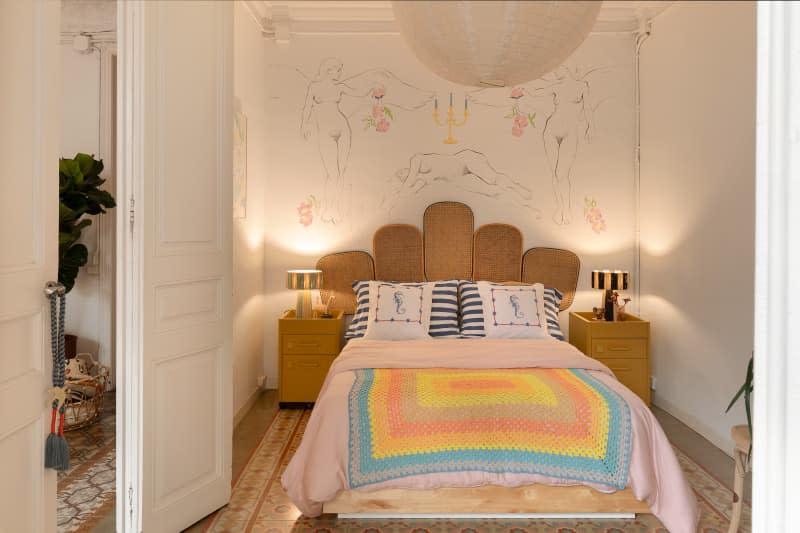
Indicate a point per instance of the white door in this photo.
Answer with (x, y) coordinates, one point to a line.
(28, 257)
(184, 214)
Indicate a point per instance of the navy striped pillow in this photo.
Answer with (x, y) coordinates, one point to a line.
(552, 301)
(471, 310)
(358, 326)
(444, 310)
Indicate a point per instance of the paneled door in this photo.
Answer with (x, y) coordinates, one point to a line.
(28, 257)
(184, 215)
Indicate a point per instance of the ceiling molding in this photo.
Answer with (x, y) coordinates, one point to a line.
(279, 19)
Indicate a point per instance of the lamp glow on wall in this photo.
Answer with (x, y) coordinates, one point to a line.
(494, 43)
(609, 281)
(303, 281)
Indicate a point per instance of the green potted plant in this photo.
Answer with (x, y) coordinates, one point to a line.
(746, 391)
(80, 194)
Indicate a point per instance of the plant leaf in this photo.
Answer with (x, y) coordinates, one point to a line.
(388, 112)
(85, 162)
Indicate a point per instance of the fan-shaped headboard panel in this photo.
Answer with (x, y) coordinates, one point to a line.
(398, 253)
(448, 230)
(498, 253)
(339, 271)
(554, 268)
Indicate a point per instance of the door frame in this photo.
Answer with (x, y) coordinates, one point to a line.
(129, 265)
(776, 409)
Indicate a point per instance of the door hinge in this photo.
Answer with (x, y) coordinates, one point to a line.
(131, 213)
(130, 505)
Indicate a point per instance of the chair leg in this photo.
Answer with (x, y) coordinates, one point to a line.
(738, 490)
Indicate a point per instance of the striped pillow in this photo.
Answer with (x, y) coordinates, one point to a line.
(471, 310)
(444, 310)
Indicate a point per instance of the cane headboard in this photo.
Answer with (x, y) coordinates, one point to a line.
(448, 248)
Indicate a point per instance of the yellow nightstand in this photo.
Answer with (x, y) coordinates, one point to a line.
(623, 346)
(306, 350)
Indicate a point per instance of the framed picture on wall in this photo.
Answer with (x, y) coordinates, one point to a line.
(239, 165)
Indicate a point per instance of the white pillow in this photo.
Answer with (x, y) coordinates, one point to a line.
(399, 311)
(513, 311)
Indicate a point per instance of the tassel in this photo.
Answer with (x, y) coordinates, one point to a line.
(52, 450)
(56, 449)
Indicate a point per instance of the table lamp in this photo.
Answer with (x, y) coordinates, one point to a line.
(303, 281)
(609, 281)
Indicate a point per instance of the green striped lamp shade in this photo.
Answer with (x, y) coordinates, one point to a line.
(610, 279)
(303, 279)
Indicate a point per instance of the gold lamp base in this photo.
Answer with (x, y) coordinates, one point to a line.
(303, 308)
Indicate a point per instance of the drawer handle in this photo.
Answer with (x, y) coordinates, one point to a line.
(303, 345)
(313, 364)
(620, 368)
(620, 347)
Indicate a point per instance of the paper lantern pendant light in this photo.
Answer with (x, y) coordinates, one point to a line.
(494, 43)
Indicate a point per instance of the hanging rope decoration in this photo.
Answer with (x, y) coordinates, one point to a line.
(56, 449)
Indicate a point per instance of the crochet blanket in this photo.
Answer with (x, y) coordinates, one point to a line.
(558, 422)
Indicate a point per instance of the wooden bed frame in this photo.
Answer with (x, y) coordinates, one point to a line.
(576, 500)
(450, 248)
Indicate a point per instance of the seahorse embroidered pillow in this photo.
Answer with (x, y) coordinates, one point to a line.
(513, 311)
(399, 311)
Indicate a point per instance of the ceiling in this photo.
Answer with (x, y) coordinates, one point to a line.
(279, 19)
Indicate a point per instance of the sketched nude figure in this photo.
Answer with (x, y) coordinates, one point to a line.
(572, 115)
(467, 169)
(325, 114)
(321, 111)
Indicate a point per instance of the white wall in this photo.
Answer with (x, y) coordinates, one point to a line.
(698, 209)
(248, 233)
(90, 303)
(300, 197)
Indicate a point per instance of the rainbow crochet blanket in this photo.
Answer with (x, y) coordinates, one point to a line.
(556, 422)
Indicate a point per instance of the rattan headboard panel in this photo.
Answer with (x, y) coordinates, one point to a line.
(339, 271)
(554, 268)
(398, 253)
(448, 249)
(498, 253)
(448, 230)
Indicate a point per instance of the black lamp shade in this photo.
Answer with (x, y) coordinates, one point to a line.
(610, 279)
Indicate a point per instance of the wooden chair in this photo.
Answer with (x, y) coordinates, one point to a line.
(741, 452)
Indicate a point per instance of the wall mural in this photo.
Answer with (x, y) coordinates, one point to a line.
(362, 125)
(569, 119)
(325, 121)
(468, 170)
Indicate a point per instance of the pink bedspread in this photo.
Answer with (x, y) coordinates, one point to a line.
(318, 471)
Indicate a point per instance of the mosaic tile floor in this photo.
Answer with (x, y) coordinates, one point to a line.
(259, 504)
(86, 490)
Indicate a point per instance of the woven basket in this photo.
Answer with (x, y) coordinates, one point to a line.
(85, 393)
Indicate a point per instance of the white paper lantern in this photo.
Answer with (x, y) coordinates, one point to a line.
(494, 43)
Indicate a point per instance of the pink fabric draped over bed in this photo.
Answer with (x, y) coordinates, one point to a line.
(319, 469)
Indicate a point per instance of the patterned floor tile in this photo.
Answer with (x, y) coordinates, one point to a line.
(259, 504)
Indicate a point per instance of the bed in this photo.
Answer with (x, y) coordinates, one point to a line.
(399, 428)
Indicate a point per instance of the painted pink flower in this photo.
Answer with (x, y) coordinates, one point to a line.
(377, 111)
(595, 217)
(378, 92)
(306, 213)
(516, 92)
(516, 131)
(521, 121)
(382, 126)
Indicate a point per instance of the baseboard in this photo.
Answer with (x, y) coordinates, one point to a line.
(723, 442)
(242, 412)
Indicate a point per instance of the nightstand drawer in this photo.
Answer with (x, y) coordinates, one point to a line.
(635, 348)
(302, 376)
(309, 344)
(632, 373)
